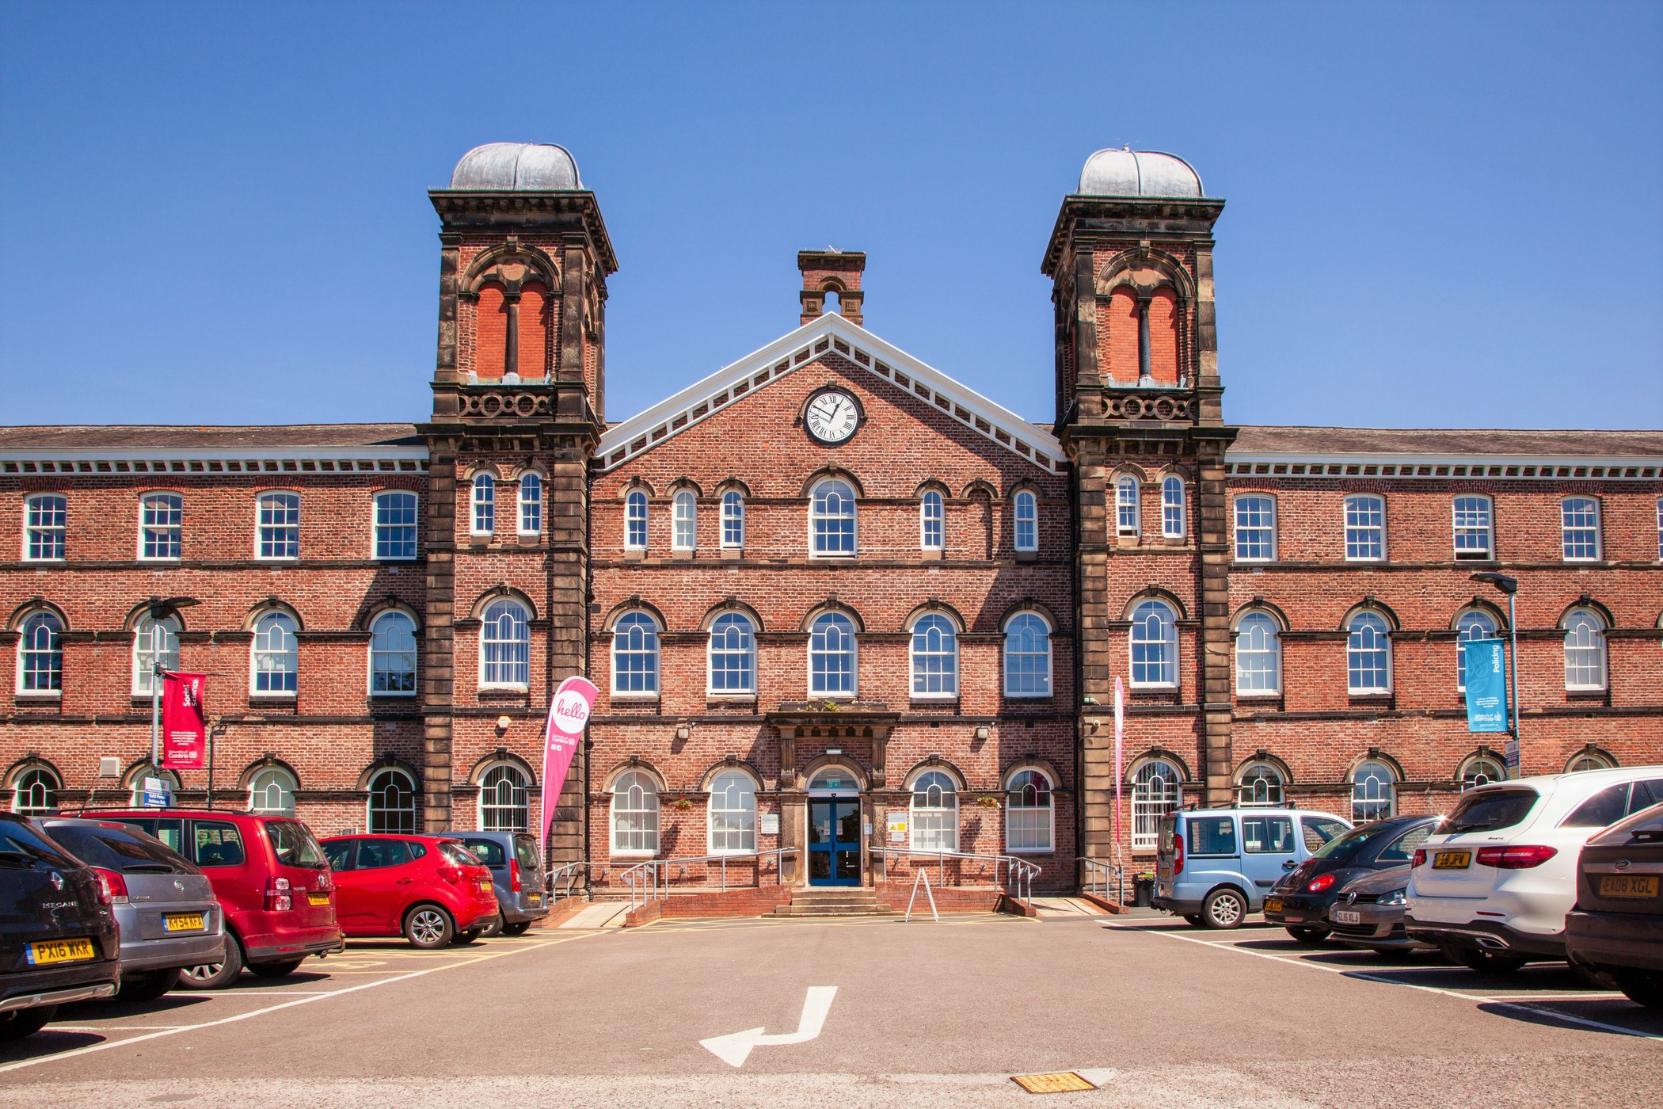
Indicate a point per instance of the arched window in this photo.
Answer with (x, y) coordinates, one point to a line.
(1155, 792)
(1588, 760)
(1255, 528)
(45, 526)
(935, 813)
(1373, 792)
(135, 783)
(392, 803)
(278, 535)
(35, 791)
(161, 525)
(1365, 528)
(393, 655)
(732, 826)
(831, 518)
(1154, 643)
(503, 799)
(935, 657)
(1030, 824)
(1472, 624)
(732, 654)
(1481, 770)
(635, 520)
(1126, 505)
(1172, 507)
(1368, 654)
(635, 654)
(1579, 529)
(1025, 518)
(1258, 655)
(684, 521)
(395, 526)
(1027, 656)
(148, 635)
(634, 814)
(1584, 649)
(484, 504)
(832, 656)
(1260, 785)
(932, 521)
(271, 790)
(505, 644)
(275, 663)
(40, 654)
(733, 519)
(531, 504)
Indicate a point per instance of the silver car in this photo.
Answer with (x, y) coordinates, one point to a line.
(164, 905)
(1369, 913)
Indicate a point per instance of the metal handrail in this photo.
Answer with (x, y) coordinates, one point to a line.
(569, 871)
(1098, 872)
(1019, 873)
(649, 880)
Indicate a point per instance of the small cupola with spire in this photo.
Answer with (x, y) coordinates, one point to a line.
(829, 274)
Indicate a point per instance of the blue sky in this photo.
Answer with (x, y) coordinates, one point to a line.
(1439, 214)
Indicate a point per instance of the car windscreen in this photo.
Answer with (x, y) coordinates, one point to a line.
(1488, 809)
(525, 850)
(20, 846)
(121, 850)
(455, 855)
(487, 851)
(294, 844)
(1321, 829)
(1347, 847)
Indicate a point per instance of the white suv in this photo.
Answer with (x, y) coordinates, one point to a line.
(1492, 884)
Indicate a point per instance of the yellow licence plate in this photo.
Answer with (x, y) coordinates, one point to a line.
(59, 951)
(1628, 885)
(184, 922)
(317, 899)
(1273, 904)
(1452, 860)
(534, 899)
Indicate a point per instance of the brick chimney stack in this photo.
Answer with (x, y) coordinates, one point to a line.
(831, 271)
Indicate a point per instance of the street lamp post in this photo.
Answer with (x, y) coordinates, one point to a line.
(1509, 586)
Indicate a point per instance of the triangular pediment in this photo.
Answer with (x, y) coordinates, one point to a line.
(830, 334)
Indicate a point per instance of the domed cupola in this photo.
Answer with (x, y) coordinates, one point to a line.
(1142, 173)
(517, 167)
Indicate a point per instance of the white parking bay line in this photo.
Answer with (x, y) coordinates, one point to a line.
(176, 1030)
(1527, 1007)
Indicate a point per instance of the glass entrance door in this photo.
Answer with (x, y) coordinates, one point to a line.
(833, 841)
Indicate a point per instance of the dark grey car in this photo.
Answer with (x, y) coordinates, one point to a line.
(165, 906)
(1369, 912)
(517, 873)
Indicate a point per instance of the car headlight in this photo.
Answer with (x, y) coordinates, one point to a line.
(1396, 897)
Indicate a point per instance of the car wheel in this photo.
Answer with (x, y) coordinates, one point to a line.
(466, 936)
(492, 928)
(275, 970)
(25, 1022)
(1193, 918)
(1309, 937)
(1224, 908)
(428, 926)
(215, 976)
(518, 928)
(148, 987)
(1481, 960)
(1641, 987)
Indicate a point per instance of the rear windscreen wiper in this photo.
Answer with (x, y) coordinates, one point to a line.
(17, 858)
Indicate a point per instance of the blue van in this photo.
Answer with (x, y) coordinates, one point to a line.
(1214, 866)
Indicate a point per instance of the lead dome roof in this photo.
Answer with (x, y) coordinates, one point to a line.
(517, 166)
(1139, 173)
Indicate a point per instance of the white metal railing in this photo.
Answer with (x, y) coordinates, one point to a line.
(1019, 874)
(1098, 874)
(650, 879)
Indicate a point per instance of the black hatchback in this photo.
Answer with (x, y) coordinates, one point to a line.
(1300, 900)
(57, 934)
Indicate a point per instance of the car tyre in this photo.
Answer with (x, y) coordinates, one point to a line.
(1224, 908)
(148, 987)
(1308, 937)
(215, 976)
(492, 928)
(25, 1022)
(1484, 962)
(1640, 986)
(275, 970)
(1193, 918)
(518, 928)
(428, 926)
(467, 936)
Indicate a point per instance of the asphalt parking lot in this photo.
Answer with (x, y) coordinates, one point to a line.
(858, 1012)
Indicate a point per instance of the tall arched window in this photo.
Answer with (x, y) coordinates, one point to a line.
(1258, 655)
(504, 804)
(1027, 656)
(732, 654)
(276, 657)
(635, 520)
(733, 519)
(271, 790)
(1368, 654)
(1155, 792)
(1030, 824)
(1260, 785)
(148, 635)
(1154, 643)
(1025, 520)
(1373, 792)
(278, 531)
(1481, 770)
(40, 654)
(505, 644)
(393, 655)
(684, 521)
(35, 791)
(1472, 624)
(392, 803)
(932, 521)
(1588, 760)
(484, 504)
(832, 656)
(1126, 505)
(831, 518)
(1584, 649)
(935, 812)
(635, 654)
(634, 814)
(732, 827)
(1172, 507)
(531, 504)
(935, 657)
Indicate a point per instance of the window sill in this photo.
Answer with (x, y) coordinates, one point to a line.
(840, 556)
(1009, 696)
(1030, 850)
(385, 695)
(502, 692)
(713, 698)
(1027, 556)
(276, 559)
(1586, 694)
(1370, 697)
(936, 701)
(733, 553)
(634, 854)
(271, 698)
(1265, 695)
(931, 554)
(635, 554)
(682, 554)
(45, 561)
(841, 698)
(39, 696)
(635, 698)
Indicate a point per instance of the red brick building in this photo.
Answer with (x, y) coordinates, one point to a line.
(836, 602)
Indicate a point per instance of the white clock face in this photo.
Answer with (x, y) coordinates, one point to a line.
(832, 417)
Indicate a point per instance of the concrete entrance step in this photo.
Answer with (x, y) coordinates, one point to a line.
(835, 901)
(602, 914)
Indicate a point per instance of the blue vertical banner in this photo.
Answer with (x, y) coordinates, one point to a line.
(1486, 685)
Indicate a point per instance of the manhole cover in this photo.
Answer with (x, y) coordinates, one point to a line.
(1060, 1082)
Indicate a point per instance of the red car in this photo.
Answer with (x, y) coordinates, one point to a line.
(428, 891)
(271, 879)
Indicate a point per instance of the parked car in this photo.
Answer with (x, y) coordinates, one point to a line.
(511, 857)
(1299, 901)
(272, 881)
(1214, 866)
(1369, 912)
(430, 891)
(1617, 924)
(57, 935)
(1491, 886)
(164, 906)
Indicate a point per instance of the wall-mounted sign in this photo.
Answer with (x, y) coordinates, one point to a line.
(770, 824)
(898, 827)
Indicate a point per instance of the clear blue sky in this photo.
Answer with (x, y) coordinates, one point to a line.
(1439, 214)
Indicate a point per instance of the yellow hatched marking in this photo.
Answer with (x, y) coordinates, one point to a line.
(1058, 1082)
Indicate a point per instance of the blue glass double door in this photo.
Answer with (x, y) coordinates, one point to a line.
(834, 841)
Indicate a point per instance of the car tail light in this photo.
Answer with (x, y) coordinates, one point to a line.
(1320, 883)
(1515, 858)
(1420, 857)
(1177, 855)
(278, 898)
(112, 887)
(514, 875)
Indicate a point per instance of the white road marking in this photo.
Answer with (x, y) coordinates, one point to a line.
(734, 1048)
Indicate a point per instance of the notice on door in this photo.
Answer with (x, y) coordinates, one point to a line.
(898, 827)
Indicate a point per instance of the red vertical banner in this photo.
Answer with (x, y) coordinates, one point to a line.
(568, 715)
(184, 721)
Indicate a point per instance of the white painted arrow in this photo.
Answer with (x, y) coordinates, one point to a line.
(734, 1048)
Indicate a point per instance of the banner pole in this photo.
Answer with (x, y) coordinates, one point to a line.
(155, 694)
